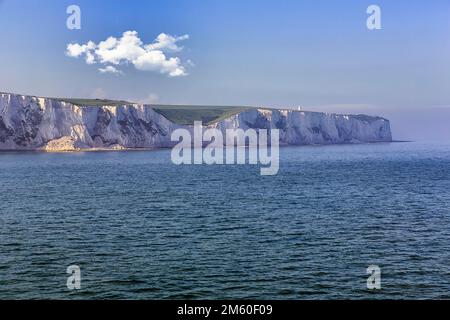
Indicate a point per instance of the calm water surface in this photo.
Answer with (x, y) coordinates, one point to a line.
(142, 228)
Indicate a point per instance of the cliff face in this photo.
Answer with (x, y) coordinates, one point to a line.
(33, 123)
(305, 128)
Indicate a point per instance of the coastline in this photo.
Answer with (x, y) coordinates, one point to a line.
(83, 150)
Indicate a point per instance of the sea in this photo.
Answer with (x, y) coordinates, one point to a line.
(136, 226)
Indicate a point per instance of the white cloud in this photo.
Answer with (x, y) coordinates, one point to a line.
(76, 50)
(130, 49)
(157, 61)
(167, 42)
(110, 69)
(123, 50)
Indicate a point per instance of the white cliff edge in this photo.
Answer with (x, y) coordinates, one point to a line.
(33, 123)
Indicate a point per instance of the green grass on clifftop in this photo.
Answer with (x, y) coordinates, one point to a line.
(94, 102)
(186, 115)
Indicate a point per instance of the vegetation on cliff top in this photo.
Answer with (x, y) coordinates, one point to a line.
(186, 115)
(94, 102)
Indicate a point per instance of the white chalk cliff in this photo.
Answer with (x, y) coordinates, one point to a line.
(34, 123)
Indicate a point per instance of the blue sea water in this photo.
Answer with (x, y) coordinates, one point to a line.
(140, 227)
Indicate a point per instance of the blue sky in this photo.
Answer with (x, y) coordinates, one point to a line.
(317, 54)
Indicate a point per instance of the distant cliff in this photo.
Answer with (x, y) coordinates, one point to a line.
(34, 123)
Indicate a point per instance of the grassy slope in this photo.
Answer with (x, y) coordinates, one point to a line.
(93, 102)
(186, 115)
(81, 102)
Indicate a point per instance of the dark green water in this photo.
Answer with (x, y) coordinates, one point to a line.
(140, 227)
